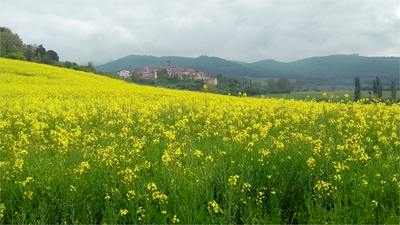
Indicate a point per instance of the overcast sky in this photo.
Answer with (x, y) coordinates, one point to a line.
(244, 30)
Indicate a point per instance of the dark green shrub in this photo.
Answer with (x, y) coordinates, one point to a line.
(17, 56)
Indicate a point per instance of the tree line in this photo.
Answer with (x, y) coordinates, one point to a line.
(225, 86)
(12, 47)
(377, 88)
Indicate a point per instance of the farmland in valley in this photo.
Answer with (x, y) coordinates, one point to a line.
(82, 148)
(332, 96)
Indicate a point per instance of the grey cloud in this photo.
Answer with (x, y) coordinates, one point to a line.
(246, 30)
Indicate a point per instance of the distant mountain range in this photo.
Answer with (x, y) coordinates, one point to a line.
(328, 68)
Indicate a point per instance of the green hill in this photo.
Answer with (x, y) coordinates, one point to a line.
(337, 66)
(323, 69)
(212, 65)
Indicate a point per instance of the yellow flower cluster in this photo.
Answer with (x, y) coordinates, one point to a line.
(163, 198)
(28, 194)
(130, 195)
(198, 153)
(340, 166)
(324, 188)
(311, 162)
(141, 213)
(175, 219)
(260, 197)
(246, 187)
(25, 182)
(152, 186)
(2, 208)
(129, 175)
(123, 212)
(214, 207)
(82, 168)
(232, 180)
(107, 197)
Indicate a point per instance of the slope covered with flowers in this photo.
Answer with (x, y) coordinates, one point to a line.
(81, 148)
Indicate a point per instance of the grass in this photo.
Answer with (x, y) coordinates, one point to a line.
(319, 95)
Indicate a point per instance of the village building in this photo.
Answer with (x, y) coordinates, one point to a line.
(124, 73)
(151, 72)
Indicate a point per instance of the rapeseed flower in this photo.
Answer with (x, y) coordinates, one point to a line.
(209, 158)
(311, 162)
(123, 212)
(152, 186)
(232, 180)
(130, 195)
(260, 197)
(82, 168)
(324, 188)
(214, 207)
(246, 187)
(2, 208)
(107, 197)
(175, 219)
(28, 194)
(198, 153)
(141, 213)
(25, 182)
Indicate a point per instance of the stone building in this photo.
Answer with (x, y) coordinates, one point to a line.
(124, 73)
(151, 72)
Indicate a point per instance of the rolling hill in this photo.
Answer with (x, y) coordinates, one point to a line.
(325, 68)
(212, 65)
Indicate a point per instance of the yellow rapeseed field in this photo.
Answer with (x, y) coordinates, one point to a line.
(82, 148)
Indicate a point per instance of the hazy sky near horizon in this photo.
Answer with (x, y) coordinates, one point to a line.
(244, 30)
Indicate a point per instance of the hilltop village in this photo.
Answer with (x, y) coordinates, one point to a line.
(152, 72)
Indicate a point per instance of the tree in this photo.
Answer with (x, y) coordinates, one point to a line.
(271, 86)
(91, 67)
(29, 52)
(10, 42)
(393, 89)
(378, 87)
(68, 64)
(357, 90)
(375, 88)
(283, 85)
(40, 51)
(53, 55)
(46, 59)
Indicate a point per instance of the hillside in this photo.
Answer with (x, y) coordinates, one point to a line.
(338, 66)
(212, 65)
(326, 68)
(79, 148)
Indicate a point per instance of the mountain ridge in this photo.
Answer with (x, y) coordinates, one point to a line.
(331, 67)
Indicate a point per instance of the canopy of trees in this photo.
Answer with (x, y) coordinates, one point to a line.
(10, 42)
(13, 47)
